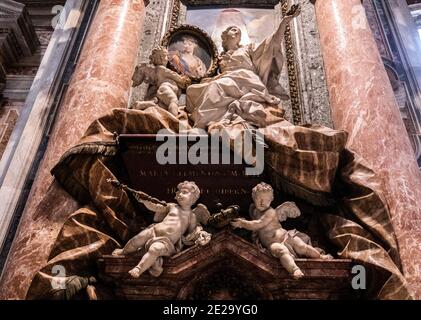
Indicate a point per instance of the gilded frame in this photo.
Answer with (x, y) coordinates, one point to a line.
(289, 43)
(203, 37)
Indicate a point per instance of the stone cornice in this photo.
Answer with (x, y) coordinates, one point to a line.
(17, 35)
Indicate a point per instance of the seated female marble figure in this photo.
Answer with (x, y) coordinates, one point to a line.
(248, 82)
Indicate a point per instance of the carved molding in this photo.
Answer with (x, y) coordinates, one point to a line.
(10, 51)
(292, 70)
(14, 17)
(175, 13)
(190, 273)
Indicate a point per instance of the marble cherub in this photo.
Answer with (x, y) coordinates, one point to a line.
(176, 223)
(168, 83)
(281, 243)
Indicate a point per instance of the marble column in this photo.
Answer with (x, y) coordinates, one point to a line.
(363, 103)
(101, 81)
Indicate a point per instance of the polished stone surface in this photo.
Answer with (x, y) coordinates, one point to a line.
(363, 103)
(101, 82)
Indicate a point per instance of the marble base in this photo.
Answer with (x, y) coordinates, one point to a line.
(234, 263)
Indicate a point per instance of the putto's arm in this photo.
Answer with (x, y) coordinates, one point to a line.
(154, 207)
(160, 208)
(138, 76)
(193, 223)
(182, 81)
(253, 225)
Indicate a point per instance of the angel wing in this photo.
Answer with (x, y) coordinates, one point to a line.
(202, 214)
(287, 210)
(144, 72)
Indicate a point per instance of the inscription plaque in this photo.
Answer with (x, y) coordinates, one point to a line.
(226, 184)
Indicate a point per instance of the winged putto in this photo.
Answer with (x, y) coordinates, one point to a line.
(175, 224)
(281, 243)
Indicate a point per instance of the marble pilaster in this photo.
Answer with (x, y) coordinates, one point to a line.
(101, 81)
(363, 103)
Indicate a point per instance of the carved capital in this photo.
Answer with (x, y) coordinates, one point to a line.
(17, 35)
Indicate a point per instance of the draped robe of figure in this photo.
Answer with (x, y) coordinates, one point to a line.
(246, 86)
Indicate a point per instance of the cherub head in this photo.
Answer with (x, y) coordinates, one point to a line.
(262, 195)
(231, 38)
(159, 56)
(188, 193)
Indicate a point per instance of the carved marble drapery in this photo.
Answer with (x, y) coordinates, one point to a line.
(363, 103)
(101, 81)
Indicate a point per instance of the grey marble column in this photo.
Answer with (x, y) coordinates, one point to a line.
(21, 151)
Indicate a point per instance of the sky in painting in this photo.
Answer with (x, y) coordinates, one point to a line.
(255, 24)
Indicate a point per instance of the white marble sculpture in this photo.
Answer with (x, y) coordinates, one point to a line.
(169, 83)
(176, 224)
(248, 82)
(281, 243)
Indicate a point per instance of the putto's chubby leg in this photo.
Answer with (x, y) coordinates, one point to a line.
(155, 251)
(280, 251)
(173, 108)
(135, 243)
(167, 94)
(306, 250)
